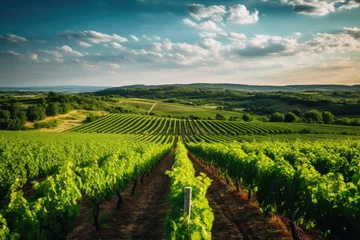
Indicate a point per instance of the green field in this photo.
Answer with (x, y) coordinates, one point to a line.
(72, 184)
(139, 124)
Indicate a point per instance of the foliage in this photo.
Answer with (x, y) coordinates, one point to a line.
(12, 116)
(48, 124)
(135, 124)
(297, 112)
(219, 117)
(247, 117)
(290, 117)
(328, 117)
(35, 113)
(53, 109)
(72, 165)
(177, 223)
(313, 116)
(277, 117)
(303, 181)
(92, 118)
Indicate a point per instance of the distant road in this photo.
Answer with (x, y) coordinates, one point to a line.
(152, 107)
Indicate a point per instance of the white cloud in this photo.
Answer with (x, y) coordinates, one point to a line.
(10, 52)
(156, 46)
(354, 32)
(212, 44)
(116, 45)
(146, 37)
(265, 45)
(208, 35)
(327, 42)
(114, 65)
(233, 36)
(68, 49)
(34, 57)
(84, 44)
(135, 38)
(320, 7)
(298, 34)
(52, 52)
(90, 67)
(199, 11)
(13, 38)
(92, 36)
(153, 38)
(190, 23)
(240, 15)
(59, 60)
(352, 4)
(207, 25)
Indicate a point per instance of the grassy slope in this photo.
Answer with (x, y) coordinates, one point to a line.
(174, 109)
(65, 121)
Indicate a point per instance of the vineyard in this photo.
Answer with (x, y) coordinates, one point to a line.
(119, 167)
(140, 124)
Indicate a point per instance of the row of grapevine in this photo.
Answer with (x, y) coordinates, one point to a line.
(139, 124)
(177, 223)
(97, 169)
(286, 180)
(25, 154)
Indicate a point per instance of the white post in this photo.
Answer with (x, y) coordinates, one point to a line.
(187, 202)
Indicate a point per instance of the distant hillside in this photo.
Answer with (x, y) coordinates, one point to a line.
(60, 89)
(253, 88)
(227, 86)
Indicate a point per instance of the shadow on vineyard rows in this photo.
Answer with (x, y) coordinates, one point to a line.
(141, 216)
(235, 218)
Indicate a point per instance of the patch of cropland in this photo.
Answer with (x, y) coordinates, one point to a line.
(140, 124)
(93, 185)
(314, 184)
(45, 177)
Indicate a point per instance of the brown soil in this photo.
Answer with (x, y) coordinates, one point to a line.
(142, 216)
(235, 218)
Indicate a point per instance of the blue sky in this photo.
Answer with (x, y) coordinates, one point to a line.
(114, 43)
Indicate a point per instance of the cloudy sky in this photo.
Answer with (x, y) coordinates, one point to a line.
(114, 43)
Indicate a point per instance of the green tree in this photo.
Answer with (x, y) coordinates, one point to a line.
(35, 113)
(53, 109)
(4, 118)
(247, 117)
(290, 117)
(219, 117)
(64, 108)
(328, 117)
(313, 116)
(277, 117)
(297, 112)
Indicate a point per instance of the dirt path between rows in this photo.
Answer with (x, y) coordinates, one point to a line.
(142, 216)
(235, 218)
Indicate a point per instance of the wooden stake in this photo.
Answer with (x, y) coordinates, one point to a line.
(187, 201)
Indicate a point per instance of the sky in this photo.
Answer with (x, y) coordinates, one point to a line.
(124, 42)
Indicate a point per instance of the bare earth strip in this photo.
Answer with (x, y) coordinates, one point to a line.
(142, 216)
(235, 218)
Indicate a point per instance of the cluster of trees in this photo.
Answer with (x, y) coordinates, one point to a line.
(13, 114)
(311, 116)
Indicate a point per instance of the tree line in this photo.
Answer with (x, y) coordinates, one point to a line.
(14, 113)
